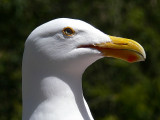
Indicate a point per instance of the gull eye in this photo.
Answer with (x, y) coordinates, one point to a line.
(68, 31)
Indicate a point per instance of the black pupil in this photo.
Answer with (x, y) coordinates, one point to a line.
(68, 31)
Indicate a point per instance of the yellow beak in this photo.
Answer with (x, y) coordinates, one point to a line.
(122, 48)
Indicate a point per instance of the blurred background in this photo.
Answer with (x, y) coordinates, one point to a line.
(114, 89)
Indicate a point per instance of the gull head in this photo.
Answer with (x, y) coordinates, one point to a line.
(70, 40)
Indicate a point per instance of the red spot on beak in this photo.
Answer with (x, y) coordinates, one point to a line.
(132, 58)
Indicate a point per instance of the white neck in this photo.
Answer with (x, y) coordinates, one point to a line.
(49, 94)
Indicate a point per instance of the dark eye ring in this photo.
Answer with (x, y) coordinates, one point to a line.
(68, 31)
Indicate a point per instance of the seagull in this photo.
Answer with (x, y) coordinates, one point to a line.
(56, 55)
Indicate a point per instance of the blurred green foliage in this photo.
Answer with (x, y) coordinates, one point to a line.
(115, 90)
